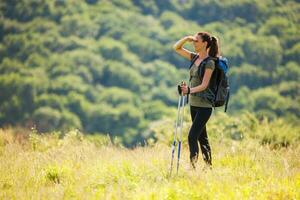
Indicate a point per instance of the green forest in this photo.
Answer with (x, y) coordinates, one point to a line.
(108, 66)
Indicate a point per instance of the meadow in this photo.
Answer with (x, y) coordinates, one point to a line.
(71, 165)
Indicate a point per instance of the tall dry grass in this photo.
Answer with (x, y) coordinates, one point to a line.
(74, 166)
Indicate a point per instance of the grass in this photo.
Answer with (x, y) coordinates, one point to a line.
(73, 167)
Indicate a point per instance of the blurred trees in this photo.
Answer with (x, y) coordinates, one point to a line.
(109, 66)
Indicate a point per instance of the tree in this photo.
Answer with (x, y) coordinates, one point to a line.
(46, 119)
(80, 25)
(116, 96)
(117, 74)
(290, 72)
(16, 98)
(266, 52)
(250, 76)
(293, 53)
(111, 49)
(25, 10)
(155, 109)
(64, 84)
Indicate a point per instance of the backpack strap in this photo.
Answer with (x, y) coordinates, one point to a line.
(194, 58)
(203, 62)
(227, 99)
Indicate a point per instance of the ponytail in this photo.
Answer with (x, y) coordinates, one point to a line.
(212, 43)
(213, 47)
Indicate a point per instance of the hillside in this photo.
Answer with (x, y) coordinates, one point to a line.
(108, 66)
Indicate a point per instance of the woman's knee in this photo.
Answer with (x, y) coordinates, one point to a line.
(192, 136)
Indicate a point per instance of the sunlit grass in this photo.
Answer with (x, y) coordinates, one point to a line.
(73, 167)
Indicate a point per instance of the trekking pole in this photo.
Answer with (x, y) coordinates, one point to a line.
(180, 135)
(181, 125)
(175, 134)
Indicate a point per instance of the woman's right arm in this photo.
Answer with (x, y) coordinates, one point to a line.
(182, 51)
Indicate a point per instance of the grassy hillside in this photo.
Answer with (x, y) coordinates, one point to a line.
(74, 166)
(88, 94)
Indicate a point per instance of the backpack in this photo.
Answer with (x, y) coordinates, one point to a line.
(218, 90)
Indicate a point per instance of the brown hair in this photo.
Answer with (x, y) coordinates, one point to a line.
(212, 43)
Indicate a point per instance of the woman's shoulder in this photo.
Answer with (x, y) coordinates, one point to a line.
(210, 64)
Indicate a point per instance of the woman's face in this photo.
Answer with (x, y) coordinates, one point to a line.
(199, 44)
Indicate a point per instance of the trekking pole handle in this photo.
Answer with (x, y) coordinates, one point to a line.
(183, 83)
(179, 87)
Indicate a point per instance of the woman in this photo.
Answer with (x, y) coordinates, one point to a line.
(205, 46)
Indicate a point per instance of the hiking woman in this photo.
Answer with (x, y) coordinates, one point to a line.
(205, 46)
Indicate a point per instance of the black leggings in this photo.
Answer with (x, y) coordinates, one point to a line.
(200, 116)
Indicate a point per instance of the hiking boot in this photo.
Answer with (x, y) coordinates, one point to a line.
(207, 167)
(194, 161)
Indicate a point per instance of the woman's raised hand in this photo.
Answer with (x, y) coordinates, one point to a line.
(191, 38)
(178, 46)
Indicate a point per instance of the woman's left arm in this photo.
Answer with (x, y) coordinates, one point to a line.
(207, 75)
